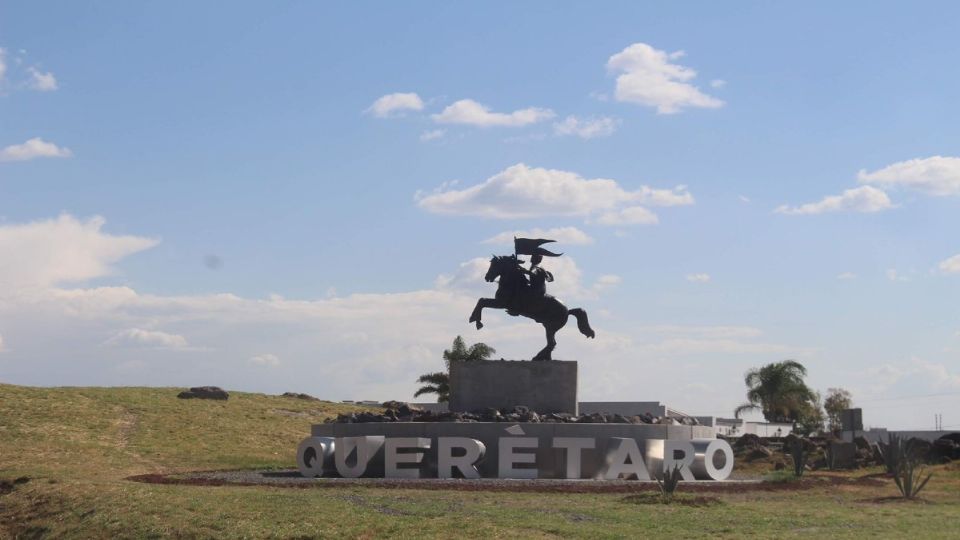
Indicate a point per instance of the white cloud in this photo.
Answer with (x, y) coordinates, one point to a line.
(918, 374)
(44, 82)
(563, 235)
(432, 134)
(698, 278)
(3, 64)
(744, 199)
(951, 265)
(469, 112)
(865, 199)
(55, 251)
(648, 77)
(718, 83)
(935, 175)
(1, 343)
(393, 104)
(33, 149)
(136, 337)
(607, 281)
(695, 340)
(520, 191)
(847, 275)
(631, 215)
(586, 128)
(266, 360)
(363, 346)
(568, 279)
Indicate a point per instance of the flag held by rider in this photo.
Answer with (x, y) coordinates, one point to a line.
(532, 246)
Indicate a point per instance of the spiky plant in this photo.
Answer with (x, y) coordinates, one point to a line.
(671, 479)
(909, 475)
(800, 455)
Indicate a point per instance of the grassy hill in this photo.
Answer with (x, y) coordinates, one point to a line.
(76, 446)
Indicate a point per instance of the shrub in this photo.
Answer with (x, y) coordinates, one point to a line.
(671, 479)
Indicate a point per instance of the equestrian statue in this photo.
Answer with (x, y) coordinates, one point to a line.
(523, 292)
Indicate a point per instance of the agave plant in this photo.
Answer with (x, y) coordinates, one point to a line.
(909, 475)
(799, 453)
(671, 479)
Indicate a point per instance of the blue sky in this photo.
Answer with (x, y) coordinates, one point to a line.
(191, 194)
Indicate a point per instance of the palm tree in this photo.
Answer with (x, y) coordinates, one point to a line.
(778, 391)
(439, 382)
(435, 383)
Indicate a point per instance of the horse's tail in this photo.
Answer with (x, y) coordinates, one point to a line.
(582, 323)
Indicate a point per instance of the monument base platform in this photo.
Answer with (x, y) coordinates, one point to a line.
(544, 387)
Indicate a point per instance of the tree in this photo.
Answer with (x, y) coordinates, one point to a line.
(837, 400)
(778, 391)
(439, 382)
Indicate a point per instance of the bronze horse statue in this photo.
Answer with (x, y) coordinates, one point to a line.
(515, 295)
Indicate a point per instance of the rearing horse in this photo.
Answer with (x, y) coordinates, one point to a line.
(514, 295)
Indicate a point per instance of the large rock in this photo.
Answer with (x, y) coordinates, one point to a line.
(297, 395)
(204, 392)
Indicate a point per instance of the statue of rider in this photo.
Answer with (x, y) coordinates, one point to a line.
(538, 277)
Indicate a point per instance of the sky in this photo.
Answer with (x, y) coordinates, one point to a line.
(304, 196)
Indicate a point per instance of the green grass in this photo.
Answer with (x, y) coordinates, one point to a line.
(78, 444)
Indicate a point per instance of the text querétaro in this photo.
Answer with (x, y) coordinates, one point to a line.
(376, 456)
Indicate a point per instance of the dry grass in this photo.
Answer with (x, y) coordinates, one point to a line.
(78, 444)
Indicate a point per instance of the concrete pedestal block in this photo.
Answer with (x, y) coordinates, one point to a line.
(544, 387)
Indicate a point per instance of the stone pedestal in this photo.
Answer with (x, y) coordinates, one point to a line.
(544, 387)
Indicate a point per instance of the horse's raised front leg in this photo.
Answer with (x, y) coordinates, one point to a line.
(478, 309)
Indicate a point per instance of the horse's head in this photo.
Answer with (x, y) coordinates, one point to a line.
(501, 264)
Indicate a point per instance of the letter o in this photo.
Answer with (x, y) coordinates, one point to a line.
(312, 454)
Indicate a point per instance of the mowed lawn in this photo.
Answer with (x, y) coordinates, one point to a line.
(77, 445)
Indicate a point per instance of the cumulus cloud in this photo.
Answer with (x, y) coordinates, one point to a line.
(471, 113)
(631, 215)
(586, 128)
(266, 360)
(62, 250)
(44, 82)
(563, 235)
(394, 104)
(951, 265)
(354, 346)
(935, 175)
(520, 191)
(137, 337)
(33, 149)
(649, 77)
(865, 199)
(698, 278)
(568, 279)
(694, 340)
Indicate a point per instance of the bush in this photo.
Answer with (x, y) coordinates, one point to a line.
(671, 479)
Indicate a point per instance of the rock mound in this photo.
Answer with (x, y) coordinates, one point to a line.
(204, 392)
